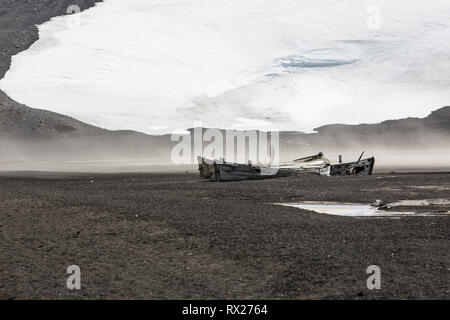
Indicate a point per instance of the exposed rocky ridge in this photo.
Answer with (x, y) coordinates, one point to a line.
(437, 121)
(20, 121)
(431, 131)
(18, 20)
(18, 31)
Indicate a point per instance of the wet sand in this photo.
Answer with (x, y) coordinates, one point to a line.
(174, 236)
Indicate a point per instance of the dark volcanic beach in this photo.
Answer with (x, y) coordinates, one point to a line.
(174, 236)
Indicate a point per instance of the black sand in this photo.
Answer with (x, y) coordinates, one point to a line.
(168, 236)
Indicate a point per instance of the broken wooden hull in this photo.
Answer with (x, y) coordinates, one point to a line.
(236, 172)
(312, 164)
(206, 167)
(219, 170)
(317, 161)
(216, 170)
(361, 167)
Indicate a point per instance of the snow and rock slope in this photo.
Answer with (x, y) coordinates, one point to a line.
(18, 31)
(161, 65)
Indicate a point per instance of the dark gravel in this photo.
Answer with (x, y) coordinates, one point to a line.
(168, 236)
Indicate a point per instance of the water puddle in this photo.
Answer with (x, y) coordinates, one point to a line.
(356, 210)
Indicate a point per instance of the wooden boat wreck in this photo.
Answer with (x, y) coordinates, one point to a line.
(359, 167)
(220, 170)
(312, 163)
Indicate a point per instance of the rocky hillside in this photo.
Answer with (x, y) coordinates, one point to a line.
(437, 122)
(18, 31)
(18, 20)
(433, 130)
(21, 122)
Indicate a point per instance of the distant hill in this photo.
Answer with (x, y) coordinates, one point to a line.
(437, 122)
(431, 130)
